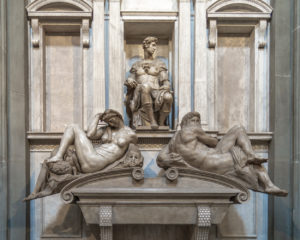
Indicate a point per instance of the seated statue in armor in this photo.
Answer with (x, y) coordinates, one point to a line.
(149, 98)
(76, 155)
(232, 156)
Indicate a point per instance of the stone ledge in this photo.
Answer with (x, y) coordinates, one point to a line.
(147, 140)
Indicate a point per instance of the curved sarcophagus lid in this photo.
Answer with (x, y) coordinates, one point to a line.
(177, 186)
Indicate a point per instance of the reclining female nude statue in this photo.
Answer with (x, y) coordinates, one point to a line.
(232, 156)
(76, 153)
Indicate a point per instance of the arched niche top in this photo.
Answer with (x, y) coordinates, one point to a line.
(78, 11)
(239, 9)
(236, 11)
(59, 9)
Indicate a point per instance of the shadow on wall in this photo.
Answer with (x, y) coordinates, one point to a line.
(66, 223)
(233, 224)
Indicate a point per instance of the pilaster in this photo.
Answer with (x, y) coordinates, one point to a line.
(296, 130)
(200, 81)
(105, 223)
(3, 123)
(184, 58)
(116, 77)
(281, 119)
(98, 57)
(17, 65)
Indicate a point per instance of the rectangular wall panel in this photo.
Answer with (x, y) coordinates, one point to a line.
(234, 82)
(63, 72)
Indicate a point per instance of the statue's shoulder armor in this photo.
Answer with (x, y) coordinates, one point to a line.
(135, 66)
(160, 64)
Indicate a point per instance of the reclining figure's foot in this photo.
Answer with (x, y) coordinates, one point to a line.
(30, 197)
(276, 191)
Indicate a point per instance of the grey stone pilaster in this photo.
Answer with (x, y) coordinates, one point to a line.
(296, 128)
(283, 101)
(3, 123)
(16, 78)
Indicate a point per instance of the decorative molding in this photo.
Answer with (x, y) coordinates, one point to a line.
(138, 174)
(204, 216)
(172, 174)
(35, 32)
(106, 233)
(42, 147)
(47, 141)
(85, 31)
(141, 16)
(105, 223)
(59, 9)
(239, 9)
(204, 223)
(262, 33)
(105, 216)
(65, 11)
(213, 31)
(229, 11)
(75, 189)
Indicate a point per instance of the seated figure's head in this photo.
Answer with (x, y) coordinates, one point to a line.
(112, 118)
(149, 44)
(191, 119)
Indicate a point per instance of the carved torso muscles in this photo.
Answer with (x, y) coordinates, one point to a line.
(150, 72)
(119, 143)
(190, 148)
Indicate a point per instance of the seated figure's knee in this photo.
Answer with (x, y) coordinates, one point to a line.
(239, 127)
(73, 126)
(168, 98)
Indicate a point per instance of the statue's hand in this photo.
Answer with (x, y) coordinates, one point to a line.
(131, 83)
(99, 115)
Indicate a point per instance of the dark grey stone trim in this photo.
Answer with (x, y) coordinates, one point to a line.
(17, 81)
(3, 124)
(296, 130)
(282, 120)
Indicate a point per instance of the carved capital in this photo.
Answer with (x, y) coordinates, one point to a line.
(204, 216)
(212, 40)
(85, 31)
(262, 33)
(105, 216)
(203, 224)
(105, 222)
(35, 32)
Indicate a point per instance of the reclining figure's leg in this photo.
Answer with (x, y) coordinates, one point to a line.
(264, 178)
(237, 136)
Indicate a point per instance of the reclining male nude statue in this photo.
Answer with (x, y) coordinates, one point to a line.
(232, 156)
(76, 153)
